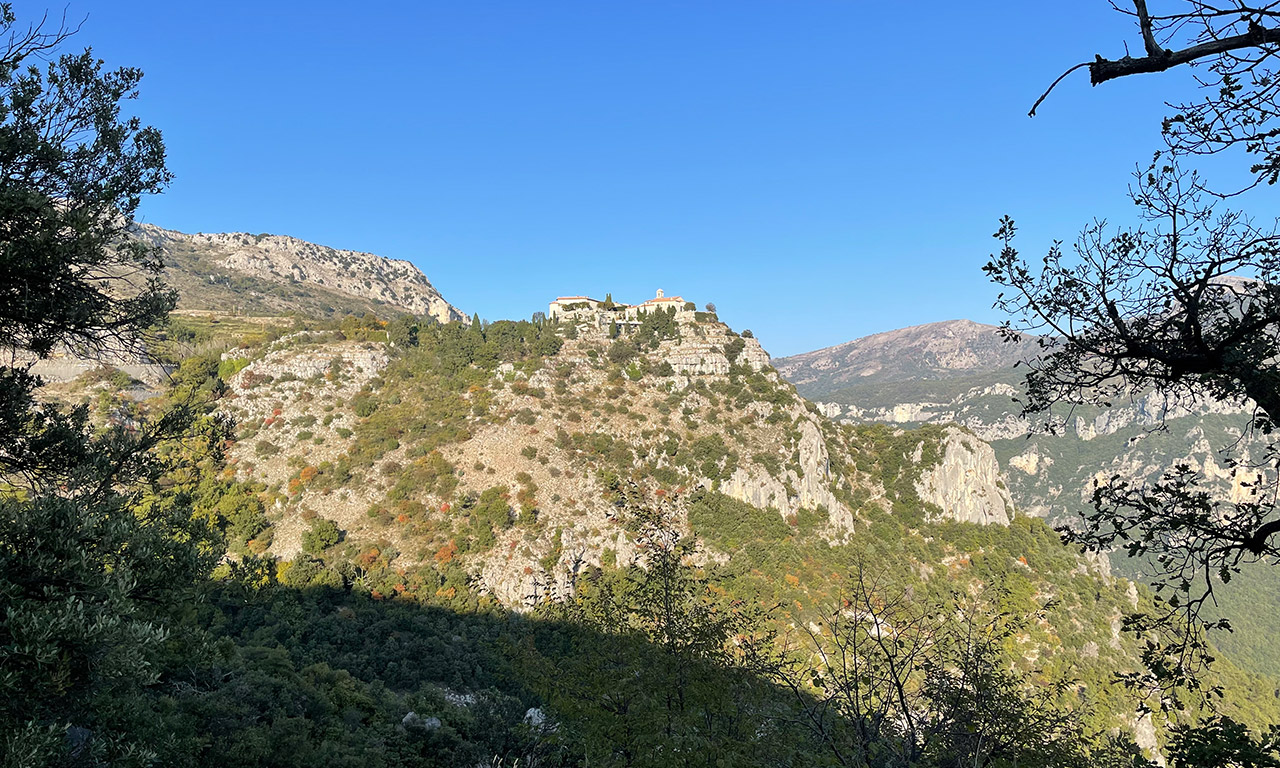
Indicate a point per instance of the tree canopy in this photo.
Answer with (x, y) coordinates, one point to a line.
(1185, 307)
(93, 562)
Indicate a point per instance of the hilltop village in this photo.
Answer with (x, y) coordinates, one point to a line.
(693, 342)
(581, 308)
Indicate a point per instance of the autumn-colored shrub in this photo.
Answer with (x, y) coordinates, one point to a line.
(445, 554)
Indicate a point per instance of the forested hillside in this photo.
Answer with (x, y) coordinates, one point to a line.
(512, 498)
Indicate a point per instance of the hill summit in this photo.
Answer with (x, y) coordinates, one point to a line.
(273, 274)
(930, 351)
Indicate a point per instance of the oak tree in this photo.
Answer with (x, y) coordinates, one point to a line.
(94, 561)
(1185, 309)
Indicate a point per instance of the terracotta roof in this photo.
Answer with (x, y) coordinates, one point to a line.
(665, 298)
(573, 298)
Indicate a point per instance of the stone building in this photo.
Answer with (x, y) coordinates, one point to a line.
(567, 306)
(585, 308)
(661, 301)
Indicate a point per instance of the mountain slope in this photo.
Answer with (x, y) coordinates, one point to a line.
(490, 467)
(945, 350)
(273, 275)
(961, 373)
(490, 461)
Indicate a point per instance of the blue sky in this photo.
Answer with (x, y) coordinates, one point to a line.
(820, 170)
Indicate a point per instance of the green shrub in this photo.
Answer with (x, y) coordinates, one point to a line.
(729, 524)
(322, 535)
(364, 405)
(733, 349)
(621, 351)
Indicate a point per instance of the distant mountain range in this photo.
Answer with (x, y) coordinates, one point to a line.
(240, 273)
(933, 351)
(962, 372)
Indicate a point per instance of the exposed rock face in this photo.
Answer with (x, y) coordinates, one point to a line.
(1150, 410)
(759, 489)
(288, 260)
(64, 366)
(811, 485)
(967, 484)
(971, 409)
(362, 360)
(702, 353)
(815, 465)
(1031, 461)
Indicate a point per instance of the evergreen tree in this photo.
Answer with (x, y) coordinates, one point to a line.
(94, 563)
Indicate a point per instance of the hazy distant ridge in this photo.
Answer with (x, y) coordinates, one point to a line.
(932, 351)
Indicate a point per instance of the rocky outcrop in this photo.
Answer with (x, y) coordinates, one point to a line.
(702, 348)
(515, 582)
(759, 489)
(1031, 461)
(966, 484)
(363, 360)
(988, 423)
(1005, 422)
(813, 486)
(808, 488)
(64, 366)
(1149, 410)
(287, 260)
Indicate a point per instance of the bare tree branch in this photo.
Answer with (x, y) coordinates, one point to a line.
(1102, 70)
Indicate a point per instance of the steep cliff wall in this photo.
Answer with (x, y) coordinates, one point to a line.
(967, 484)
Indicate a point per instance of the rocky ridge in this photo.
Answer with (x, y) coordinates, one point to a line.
(270, 272)
(934, 350)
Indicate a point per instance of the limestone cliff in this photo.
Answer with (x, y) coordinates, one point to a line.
(966, 484)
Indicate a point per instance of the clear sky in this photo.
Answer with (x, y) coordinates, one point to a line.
(820, 170)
